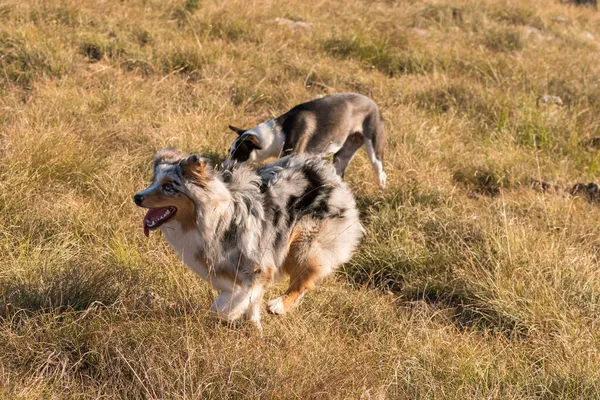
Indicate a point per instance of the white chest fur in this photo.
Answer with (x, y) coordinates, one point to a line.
(188, 245)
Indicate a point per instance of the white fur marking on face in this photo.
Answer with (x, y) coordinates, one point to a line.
(271, 139)
(377, 164)
(230, 154)
(159, 173)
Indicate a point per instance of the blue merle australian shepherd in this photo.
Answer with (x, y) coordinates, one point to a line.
(240, 228)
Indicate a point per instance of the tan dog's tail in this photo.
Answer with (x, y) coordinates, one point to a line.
(379, 137)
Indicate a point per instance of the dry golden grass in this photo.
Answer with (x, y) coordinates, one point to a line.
(469, 284)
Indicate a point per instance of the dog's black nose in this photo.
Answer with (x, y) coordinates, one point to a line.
(138, 199)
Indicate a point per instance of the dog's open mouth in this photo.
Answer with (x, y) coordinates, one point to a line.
(155, 217)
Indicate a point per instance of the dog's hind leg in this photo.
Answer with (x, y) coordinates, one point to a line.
(302, 278)
(299, 134)
(342, 158)
(377, 163)
(375, 140)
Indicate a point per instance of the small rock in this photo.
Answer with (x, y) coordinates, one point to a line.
(549, 99)
(542, 186)
(530, 30)
(420, 305)
(588, 36)
(559, 19)
(150, 299)
(294, 25)
(536, 33)
(421, 32)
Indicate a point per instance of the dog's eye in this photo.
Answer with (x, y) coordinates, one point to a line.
(167, 187)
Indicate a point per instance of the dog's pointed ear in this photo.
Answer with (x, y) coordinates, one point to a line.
(237, 130)
(255, 142)
(195, 169)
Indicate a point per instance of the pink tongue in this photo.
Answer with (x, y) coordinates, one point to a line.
(151, 215)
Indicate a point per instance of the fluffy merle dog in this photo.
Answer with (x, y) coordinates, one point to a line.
(241, 228)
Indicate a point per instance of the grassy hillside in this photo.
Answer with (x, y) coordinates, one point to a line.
(479, 276)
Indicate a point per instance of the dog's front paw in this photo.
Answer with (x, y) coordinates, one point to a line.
(230, 306)
(276, 306)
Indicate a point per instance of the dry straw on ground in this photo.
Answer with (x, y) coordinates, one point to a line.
(470, 282)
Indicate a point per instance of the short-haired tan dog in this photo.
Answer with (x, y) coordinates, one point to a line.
(338, 124)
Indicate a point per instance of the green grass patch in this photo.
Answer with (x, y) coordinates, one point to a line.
(96, 47)
(379, 55)
(484, 180)
(424, 259)
(23, 58)
(439, 15)
(505, 40)
(467, 283)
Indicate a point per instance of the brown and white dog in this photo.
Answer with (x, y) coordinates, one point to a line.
(241, 228)
(338, 124)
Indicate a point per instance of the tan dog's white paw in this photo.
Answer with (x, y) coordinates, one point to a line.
(382, 180)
